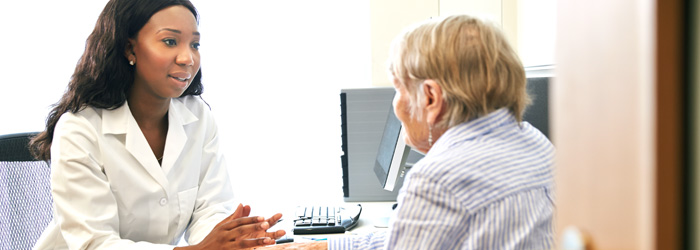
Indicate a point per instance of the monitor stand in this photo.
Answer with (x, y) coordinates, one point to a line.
(383, 222)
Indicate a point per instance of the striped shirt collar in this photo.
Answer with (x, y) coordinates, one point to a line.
(474, 128)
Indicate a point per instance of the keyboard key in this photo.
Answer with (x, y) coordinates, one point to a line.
(319, 222)
(303, 223)
(300, 211)
(323, 212)
(309, 213)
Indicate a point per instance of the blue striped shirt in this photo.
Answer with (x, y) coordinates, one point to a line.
(485, 184)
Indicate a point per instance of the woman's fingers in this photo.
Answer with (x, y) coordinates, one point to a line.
(274, 219)
(252, 230)
(237, 222)
(241, 211)
(239, 230)
(276, 234)
(254, 242)
(246, 211)
(272, 235)
(245, 222)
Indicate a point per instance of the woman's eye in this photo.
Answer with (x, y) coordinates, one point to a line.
(169, 42)
(195, 46)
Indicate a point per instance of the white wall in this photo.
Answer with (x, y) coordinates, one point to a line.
(40, 48)
(273, 78)
(536, 31)
(272, 71)
(529, 25)
(387, 19)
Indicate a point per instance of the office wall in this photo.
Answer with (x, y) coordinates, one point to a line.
(387, 19)
(528, 25)
(315, 42)
(42, 41)
(272, 69)
(535, 31)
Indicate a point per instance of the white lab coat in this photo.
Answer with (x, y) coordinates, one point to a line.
(110, 192)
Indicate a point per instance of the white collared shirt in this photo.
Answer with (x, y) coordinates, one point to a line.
(110, 192)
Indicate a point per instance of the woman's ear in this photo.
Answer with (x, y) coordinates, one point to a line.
(434, 101)
(129, 51)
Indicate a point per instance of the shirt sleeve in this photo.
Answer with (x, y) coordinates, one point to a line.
(77, 183)
(214, 200)
(428, 217)
(359, 242)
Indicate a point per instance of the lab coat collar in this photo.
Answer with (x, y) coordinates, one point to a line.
(178, 116)
(120, 121)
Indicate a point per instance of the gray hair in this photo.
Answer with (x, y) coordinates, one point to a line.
(471, 61)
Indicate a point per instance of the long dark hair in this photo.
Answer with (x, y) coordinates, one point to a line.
(103, 76)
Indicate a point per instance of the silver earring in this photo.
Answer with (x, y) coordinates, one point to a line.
(131, 63)
(430, 135)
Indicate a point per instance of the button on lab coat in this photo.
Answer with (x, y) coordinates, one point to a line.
(110, 192)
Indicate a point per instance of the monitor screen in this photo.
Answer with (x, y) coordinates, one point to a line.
(393, 155)
(537, 114)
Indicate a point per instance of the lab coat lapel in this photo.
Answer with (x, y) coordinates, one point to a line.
(121, 121)
(178, 116)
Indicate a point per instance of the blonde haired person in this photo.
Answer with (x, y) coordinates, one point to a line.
(486, 179)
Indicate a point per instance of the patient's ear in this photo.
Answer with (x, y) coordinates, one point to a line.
(434, 101)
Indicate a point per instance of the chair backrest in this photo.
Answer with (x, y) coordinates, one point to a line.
(25, 193)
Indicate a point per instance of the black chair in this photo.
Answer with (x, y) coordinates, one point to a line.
(25, 193)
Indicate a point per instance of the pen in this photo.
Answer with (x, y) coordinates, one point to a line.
(315, 239)
(284, 240)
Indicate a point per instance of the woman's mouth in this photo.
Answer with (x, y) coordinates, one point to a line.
(180, 79)
(181, 76)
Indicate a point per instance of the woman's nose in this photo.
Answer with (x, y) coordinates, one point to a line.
(185, 58)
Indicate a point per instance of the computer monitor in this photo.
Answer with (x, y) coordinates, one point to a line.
(537, 114)
(394, 157)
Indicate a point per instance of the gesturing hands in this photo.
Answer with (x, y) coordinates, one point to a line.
(239, 231)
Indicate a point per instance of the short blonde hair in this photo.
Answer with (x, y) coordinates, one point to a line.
(469, 59)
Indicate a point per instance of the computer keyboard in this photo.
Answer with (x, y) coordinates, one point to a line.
(325, 219)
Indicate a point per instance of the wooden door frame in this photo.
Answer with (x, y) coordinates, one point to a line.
(671, 145)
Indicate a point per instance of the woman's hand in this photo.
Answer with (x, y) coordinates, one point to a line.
(321, 245)
(239, 231)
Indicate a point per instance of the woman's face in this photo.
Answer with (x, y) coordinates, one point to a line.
(166, 53)
(416, 130)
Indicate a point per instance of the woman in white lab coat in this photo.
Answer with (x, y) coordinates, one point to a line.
(134, 150)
